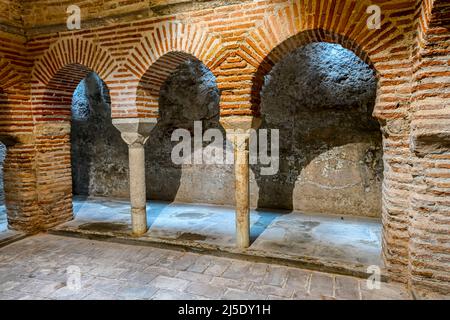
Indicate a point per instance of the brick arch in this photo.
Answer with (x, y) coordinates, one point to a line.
(343, 21)
(301, 22)
(72, 51)
(52, 126)
(159, 53)
(54, 79)
(289, 45)
(59, 70)
(54, 99)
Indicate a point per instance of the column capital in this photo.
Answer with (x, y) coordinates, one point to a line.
(238, 129)
(135, 131)
(240, 124)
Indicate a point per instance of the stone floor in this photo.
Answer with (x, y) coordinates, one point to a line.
(54, 267)
(332, 238)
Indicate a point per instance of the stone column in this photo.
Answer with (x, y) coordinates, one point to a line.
(238, 132)
(135, 133)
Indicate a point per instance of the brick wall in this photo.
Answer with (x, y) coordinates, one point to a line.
(11, 13)
(429, 229)
(239, 43)
(17, 132)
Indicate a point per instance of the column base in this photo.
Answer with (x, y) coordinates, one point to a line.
(139, 221)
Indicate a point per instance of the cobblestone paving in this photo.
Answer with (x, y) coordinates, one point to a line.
(39, 267)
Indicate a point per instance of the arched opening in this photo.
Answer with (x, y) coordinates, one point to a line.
(188, 100)
(53, 110)
(99, 157)
(189, 97)
(321, 97)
